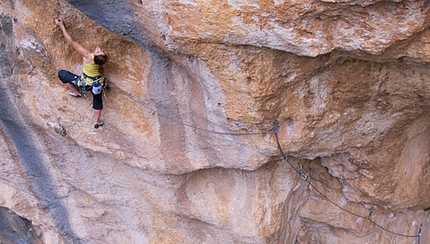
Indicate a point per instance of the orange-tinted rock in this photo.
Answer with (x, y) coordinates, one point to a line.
(186, 153)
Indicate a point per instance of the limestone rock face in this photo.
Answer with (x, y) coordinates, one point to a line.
(187, 153)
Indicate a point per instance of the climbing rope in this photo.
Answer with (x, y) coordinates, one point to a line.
(225, 133)
(304, 177)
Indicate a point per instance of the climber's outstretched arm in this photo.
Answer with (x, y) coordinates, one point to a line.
(78, 47)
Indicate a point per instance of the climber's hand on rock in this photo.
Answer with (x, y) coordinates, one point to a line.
(58, 21)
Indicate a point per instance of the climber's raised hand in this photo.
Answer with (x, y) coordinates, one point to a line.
(58, 21)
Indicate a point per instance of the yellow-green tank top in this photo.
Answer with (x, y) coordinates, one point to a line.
(91, 69)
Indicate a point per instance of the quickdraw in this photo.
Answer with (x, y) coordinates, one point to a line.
(275, 128)
(370, 213)
(305, 177)
(302, 173)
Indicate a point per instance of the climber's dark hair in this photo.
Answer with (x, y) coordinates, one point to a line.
(100, 59)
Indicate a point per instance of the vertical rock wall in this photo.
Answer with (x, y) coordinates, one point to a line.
(186, 154)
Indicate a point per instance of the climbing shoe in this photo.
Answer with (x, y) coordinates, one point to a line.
(71, 93)
(100, 123)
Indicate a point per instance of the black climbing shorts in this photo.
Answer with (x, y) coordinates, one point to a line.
(68, 77)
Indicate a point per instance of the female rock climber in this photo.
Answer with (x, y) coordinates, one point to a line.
(91, 79)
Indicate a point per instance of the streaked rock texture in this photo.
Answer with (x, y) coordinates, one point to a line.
(186, 154)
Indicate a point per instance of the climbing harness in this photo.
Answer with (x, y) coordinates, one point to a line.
(96, 84)
(89, 80)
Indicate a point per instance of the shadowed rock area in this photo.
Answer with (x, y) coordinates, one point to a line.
(187, 153)
(14, 229)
